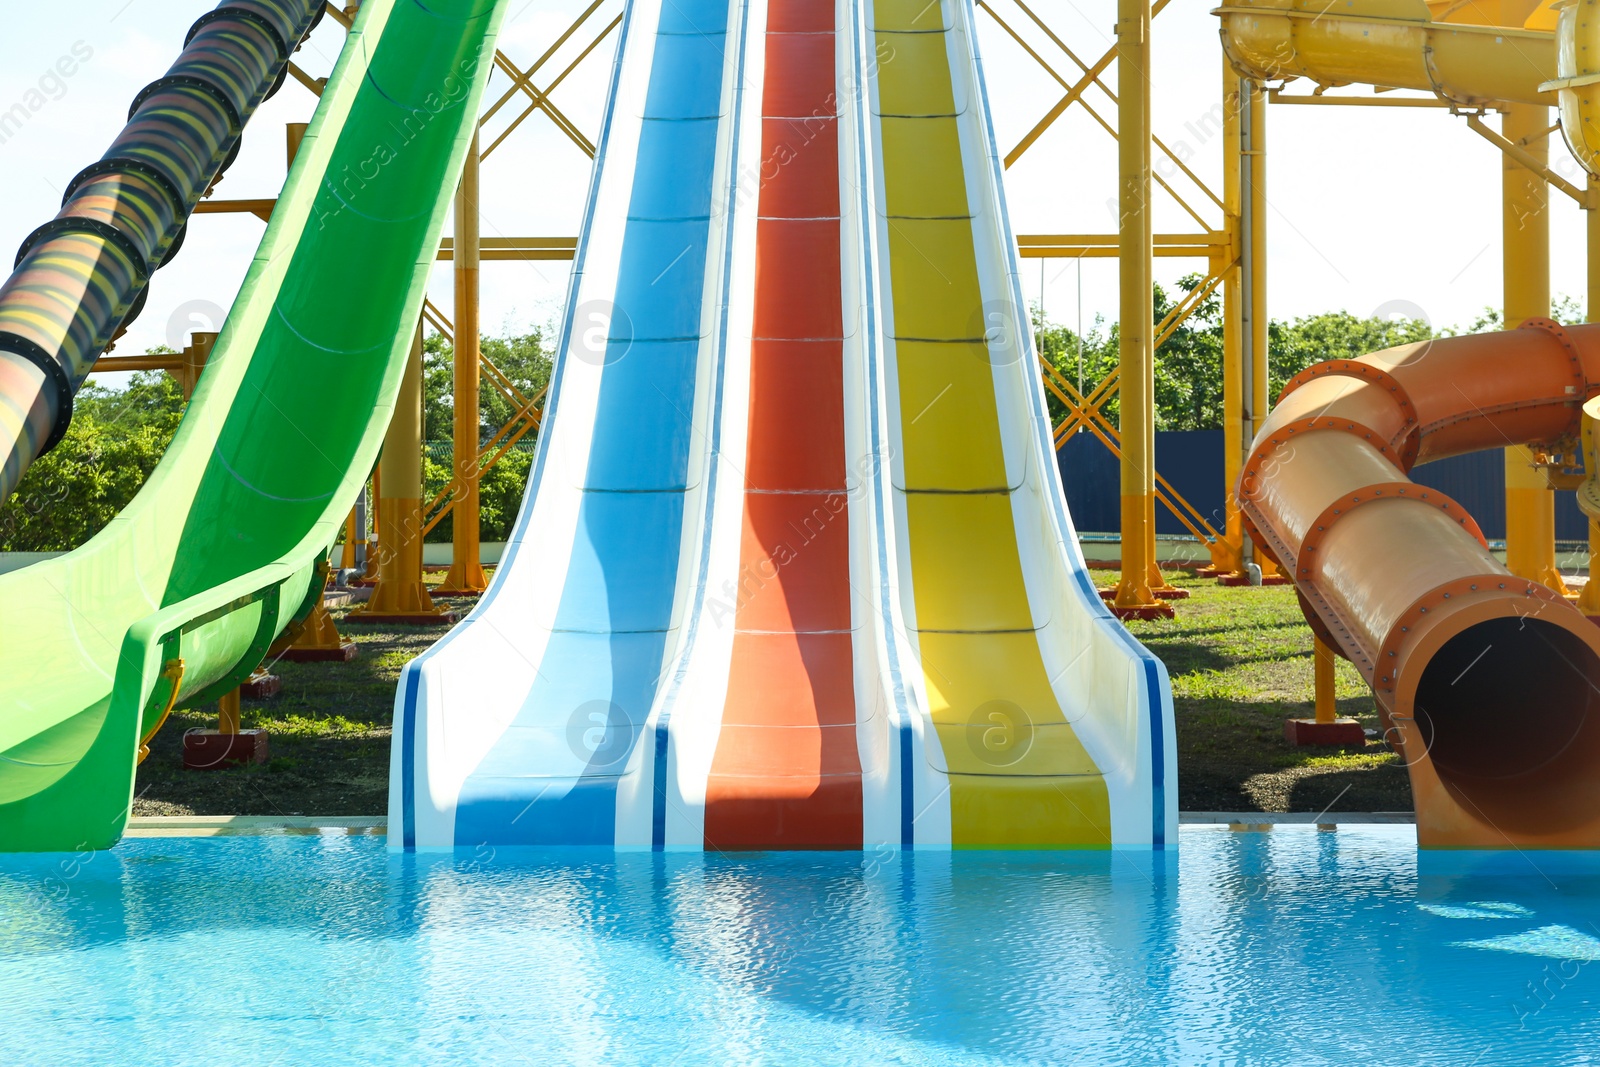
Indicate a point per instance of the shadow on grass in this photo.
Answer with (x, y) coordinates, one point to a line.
(328, 735)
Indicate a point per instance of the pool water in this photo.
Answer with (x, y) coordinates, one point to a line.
(1294, 946)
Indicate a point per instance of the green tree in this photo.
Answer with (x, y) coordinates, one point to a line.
(116, 439)
(1564, 309)
(1189, 364)
(527, 363)
(523, 359)
(500, 492)
(1294, 346)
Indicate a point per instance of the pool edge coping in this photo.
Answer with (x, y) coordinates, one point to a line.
(375, 825)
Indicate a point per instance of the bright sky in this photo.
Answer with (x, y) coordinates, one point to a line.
(1370, 207)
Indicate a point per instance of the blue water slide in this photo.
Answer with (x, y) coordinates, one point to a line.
(519, 727)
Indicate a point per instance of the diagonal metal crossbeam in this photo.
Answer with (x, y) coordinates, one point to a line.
(525, 419)
(1077, 414)
(1078, 410)
(528, 415)
(1074, 93)
(522, 81)
(1097, 424)
(541, 98)
(1084, 68)
(541, 102)
(1186, 308)
(1091, 76)
(497, 377)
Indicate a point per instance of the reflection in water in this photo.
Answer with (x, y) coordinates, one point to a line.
(1291, 946)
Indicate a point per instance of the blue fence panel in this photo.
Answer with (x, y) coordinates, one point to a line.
(1191, 460)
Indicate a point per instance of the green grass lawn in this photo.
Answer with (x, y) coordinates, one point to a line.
(1240, 662)
(328, 733)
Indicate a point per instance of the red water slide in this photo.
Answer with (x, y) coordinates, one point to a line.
(786, 773)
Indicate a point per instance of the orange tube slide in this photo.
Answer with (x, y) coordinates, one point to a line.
(1486, 683)
(786, 773)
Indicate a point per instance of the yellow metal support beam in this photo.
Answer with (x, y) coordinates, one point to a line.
(1531, 158)
(117, 364)
(524, 420)
(1206, 245)
(1525, 229)
(1236, 443)
(466, 577)
(522, 82)
(1255, 320)
(1323, 679)
(261, 209)
(400, 596)
(1589, 596)
(1278, 96)
(316, 85)
(1088, 411)
(1136, 352)
(1079, 407)
(515, 248)
(1210, 244)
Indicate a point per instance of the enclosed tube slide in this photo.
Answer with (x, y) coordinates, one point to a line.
(1395, 44)
(794, 569)
(1488, 684)
(82, 276)
(176, 600)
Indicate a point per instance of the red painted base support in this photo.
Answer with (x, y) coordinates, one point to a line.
(1341, 731)
(343, 654)
(1236, 579)
(261, 686)
(443, 618)
(1160, 594)
(211, 750)
(1147, 611)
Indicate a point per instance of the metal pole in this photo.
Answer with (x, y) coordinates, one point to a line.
(1236, 443)
(1525, 225)
(466, 577)
(1079, 334)
(361, 530)
(1137, 311)
(400, 595)
(1327, 705)
(1256, 376)
(1589, 598)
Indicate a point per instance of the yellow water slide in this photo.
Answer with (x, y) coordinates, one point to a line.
(1448, 48)
(1577, 85)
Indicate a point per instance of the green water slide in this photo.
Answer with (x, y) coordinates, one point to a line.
(176, 600)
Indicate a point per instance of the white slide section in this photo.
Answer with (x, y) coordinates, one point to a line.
(527, 724)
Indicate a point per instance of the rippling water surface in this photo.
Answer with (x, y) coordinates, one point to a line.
(1289, 947)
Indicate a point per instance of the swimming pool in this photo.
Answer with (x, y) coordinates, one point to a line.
(1291, 946)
